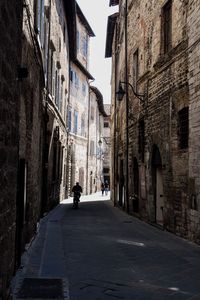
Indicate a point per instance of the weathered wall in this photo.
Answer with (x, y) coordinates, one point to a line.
(30, 143)
(166, 88)
(194, 111)
(10, 53)
(169, 82)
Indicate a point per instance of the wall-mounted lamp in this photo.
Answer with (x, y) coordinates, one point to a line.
(121, 92)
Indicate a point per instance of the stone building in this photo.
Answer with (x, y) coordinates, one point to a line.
(59, 20)
(34, 91)
(193, 215)
(107, 144)
(79, 105)
(155, 145)
(95, 141)
(10, 54)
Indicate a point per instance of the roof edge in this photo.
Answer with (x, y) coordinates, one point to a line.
(83, 69)
(114, 2)
(110, 34)
(99, 100)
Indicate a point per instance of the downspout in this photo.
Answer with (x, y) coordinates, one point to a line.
(115, 159)
(127, 105)
(88, 131)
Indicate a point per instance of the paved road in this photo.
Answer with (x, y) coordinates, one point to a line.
(102, 253)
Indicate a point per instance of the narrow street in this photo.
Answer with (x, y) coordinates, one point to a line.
(99, 252)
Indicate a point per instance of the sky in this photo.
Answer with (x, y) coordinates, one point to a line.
(96, 13)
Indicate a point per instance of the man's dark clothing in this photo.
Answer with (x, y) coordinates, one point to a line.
(77, 188)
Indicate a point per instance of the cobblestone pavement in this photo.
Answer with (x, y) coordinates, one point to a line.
(101, 253)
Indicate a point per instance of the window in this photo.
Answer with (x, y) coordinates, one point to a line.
(40, 20)
(135, 69)
(167, 26)
(76, 80)
(75, 122)
(71, 75)
(193, 202)
(84, 88)
(69, 121)
(106, 124)
(77, 40)
(141, 140)
(84, 45)
(183, 128)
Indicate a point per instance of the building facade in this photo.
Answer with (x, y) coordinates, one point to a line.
(95, 155)
(107, 144)
(34, 93)
(59, 25)
(154, 140)
(79, 105)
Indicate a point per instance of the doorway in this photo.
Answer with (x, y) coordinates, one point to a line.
(157, 183)
(135, 186)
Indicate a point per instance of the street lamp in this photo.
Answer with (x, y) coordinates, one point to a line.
(121, 92)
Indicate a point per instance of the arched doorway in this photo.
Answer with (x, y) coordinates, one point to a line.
(157, 184)
(135, 186)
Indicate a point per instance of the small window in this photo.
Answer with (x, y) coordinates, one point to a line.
(135, 69)
(106, 124)
(71, 75)
(77, 40)
(69, 121)
(183, 127)
(167, 26)
(84, 88)
(193, 202)
(76, 81)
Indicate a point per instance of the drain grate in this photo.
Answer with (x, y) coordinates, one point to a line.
(37, 288)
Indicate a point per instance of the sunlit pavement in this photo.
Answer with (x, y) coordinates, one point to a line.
(101, 253)
(93, 197)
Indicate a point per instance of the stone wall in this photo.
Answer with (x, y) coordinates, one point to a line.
(10, 53)
(194, 112)
(169, 83)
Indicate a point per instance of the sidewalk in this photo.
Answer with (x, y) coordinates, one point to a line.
(43, 262)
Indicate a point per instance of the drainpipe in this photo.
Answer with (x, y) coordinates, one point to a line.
(88, 140)
(115, 158)
(127, 105)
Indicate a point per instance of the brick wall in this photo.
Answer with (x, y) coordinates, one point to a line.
(170, 83)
